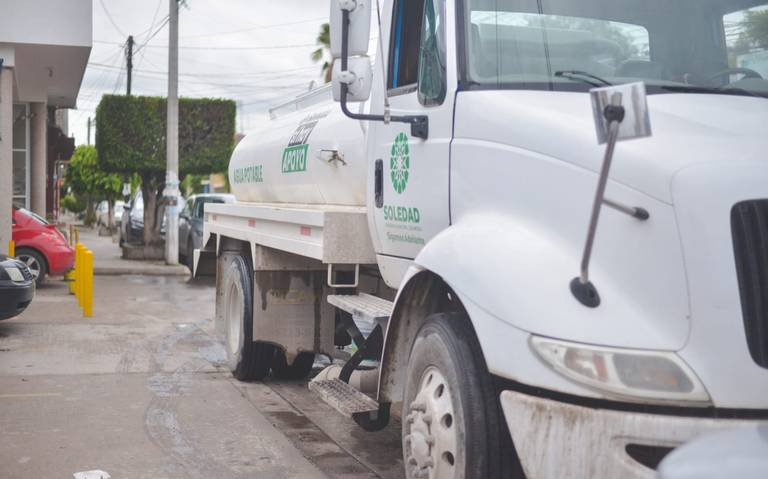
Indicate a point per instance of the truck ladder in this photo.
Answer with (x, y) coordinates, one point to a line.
(369, 312)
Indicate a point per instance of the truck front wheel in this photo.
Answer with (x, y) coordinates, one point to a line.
(248, 360)
(452, 422)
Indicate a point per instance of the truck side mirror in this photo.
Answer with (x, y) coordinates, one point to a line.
(621, 113)
(359, 26)
(350, 28)
(358, 78)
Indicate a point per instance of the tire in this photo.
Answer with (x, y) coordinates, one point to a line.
(300, 368)
(35, 262)
(248, 360)
(450, 398)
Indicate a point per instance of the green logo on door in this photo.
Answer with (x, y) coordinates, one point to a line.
(400, 163)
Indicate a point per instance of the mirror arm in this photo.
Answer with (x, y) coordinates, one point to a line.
(419, 123)
(636, 212)
(581, 287)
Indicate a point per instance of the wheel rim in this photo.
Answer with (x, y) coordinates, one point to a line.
(234, 320)
(31, 262)
(431, 441)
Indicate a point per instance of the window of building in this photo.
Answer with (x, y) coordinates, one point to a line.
(21, 155)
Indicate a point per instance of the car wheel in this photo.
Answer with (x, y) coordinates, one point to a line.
(299, 369)
(35, 262)
(452, 424)
(248, 360)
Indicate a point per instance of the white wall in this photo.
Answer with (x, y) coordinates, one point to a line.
(51, 22)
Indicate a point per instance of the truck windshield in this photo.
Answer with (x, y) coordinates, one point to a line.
(691, 46)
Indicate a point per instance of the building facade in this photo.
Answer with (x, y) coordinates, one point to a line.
(44, 50)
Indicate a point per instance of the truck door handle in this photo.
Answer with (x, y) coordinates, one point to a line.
(379, 183)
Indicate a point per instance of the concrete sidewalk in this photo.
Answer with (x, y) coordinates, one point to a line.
(108, 261)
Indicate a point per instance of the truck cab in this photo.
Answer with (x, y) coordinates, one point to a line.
(476, 142)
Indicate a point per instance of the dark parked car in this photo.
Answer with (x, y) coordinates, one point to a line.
(132, 222)
(17, 287)
(191, 223)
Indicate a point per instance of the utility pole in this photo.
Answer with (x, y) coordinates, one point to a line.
(89, 131)
(171, 192)
(240, 115)
(129, 63)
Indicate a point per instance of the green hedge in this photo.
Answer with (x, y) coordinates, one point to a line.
(130, 134)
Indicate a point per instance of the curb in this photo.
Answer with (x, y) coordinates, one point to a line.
(119, 271)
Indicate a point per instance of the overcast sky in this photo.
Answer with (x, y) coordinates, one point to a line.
(255, 52)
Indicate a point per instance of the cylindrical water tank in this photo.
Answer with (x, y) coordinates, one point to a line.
(312, 156)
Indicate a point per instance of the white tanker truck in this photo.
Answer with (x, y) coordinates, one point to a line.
(534, 308)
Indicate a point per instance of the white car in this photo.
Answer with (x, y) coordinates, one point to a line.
(102, 213)
(739, 453)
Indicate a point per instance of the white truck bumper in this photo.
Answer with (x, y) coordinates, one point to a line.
(556, 439)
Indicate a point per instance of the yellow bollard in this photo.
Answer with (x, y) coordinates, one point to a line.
(77, 235)
(70, 277)
(88, 284)
(76, 274)
(11, 248)
(71, 234)
(79, 277)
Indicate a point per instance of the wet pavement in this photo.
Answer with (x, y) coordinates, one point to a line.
(141, 391)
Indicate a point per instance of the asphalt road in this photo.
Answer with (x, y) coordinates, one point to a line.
(140, 391)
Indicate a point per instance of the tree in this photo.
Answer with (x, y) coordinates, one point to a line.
(752, 35)
(88, 180)
(322, 53)
(756, 28)
(131, 138)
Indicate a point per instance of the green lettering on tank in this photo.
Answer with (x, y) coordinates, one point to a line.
(248, 174)
(295, 158)
(295, 154)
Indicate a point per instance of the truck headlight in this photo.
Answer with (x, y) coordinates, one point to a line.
(631, 374)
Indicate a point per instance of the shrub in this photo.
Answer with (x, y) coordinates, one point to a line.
(131, 138)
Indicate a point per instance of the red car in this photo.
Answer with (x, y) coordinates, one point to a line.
(40, 245)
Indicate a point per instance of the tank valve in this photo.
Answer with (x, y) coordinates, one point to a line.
(330, 156)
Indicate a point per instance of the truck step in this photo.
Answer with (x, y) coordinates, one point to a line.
(342, 397)
(367, 310)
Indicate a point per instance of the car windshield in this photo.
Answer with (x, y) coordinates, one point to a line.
(697, 46)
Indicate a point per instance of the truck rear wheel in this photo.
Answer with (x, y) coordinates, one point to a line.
(248, 360)
(299, 369)
(452, 421)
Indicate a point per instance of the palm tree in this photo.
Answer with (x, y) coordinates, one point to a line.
(324, 40)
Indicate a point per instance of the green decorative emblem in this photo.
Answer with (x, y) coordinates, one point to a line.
(400, 163)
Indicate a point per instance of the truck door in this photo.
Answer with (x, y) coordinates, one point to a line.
(412, 204)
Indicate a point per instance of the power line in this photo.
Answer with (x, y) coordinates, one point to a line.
(257, 27)
(118, 82)
(148, 31)
(158, 30)
(270, 47)
(112, 20)
(209, 75)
